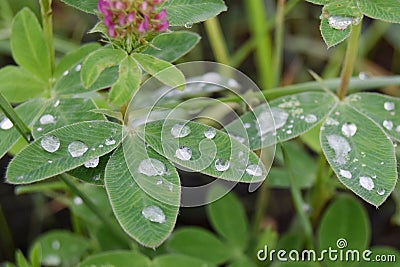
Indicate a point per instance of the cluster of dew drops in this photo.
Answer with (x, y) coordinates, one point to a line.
(341, 147)
(153, 167)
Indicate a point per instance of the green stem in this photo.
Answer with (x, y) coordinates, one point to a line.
(257, 21)
(6, 236)
(355, 85)
(47, 21)
(102, 216)
(261, 205)
(9, 111)
(217, 40)
(279, 32)
(298, 201)
(349, 61)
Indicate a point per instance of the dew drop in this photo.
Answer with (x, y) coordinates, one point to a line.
(50, 143)
(56, 245)
(346, 174)
(266, 120)
(50, 161)
(110, 141)
(247, 125)
(65, 73)
(367, 183)
(381, 191)
(56, 104)
(77, 149)
(78, 201)
(310, 118)
(389, 106)
(339, 23)
(222, 165)
(363, 76)
(51, 260)
(39, 129)
(78, 67)
(47, 119)
(398, 128)
(349, 129)
(184, 153)
(388, 124)
(159, 182)
(6, 124)
(254, 170)
(92, 163)
(152, 167)
(210, 133)
(340, 146)
(180, 130)
(188, 25)
(331, 121)
(153, 214)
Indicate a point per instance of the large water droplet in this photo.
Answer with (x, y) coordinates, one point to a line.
(188, 25)
(367, 183)
(180, 130)
(388, 124)
(78, 201)
(340, 146)
(346, 174)
(266, 119)
(153, 214)
(65, 73)
(57, 103)
(56, 245)
(6, 124)
(78, 67)
(50, 143)
(310, 118)
(51, 260)
(210, 133)
(184, 153)
(349, 129)
(339, 23)
(398, 128)
(110, 141)
(254, 170)
(389, 106)
(77, 149)
(47, 119)
(152, 167)
(222, 165)
(363, 76)
(381, 191)
(92, 163)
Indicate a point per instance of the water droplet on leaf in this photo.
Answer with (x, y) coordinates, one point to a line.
(346, 174)
(381, 191)
(349, 129)
(154, 214)
(340, 146)
(152, 167)
(6, 124)
(92, 163)
(47, 119)
(110, 141)
(180, 130)
(65, 73)
(210, 133)
(339, 23)
(367, 183)
(254, 170)
(388, 124)
(56, 245)
(50, 143)
(56, 104)
(77, 149)
(310, 118)
(184, 153)
(78, 67)
(51, 260)
(188, 25)
(78, 201)
(389, 106)
(222, 165)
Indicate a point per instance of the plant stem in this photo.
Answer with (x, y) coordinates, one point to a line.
(257, 21)
(279, 32)
(261, 204)
(298, 201)
(6, 236)
(102, 216)
(9, 111)
(47, 21)
(349, 61)
(217, 40)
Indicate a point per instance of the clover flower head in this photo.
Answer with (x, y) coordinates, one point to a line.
(132, 17)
